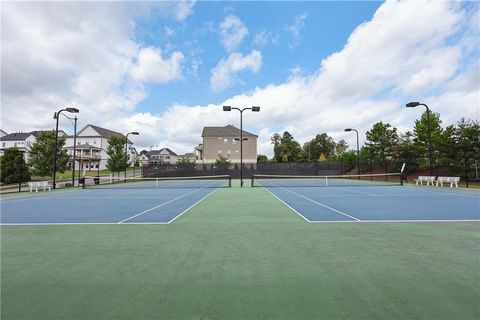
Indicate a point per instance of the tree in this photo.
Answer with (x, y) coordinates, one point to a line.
(222, 160)
(285, 148)
(382, 141)
(116, 154)
(467, 137)
(322, 148)
(349, 160)
(341, 147)
(42, 154)
(420, 133)
(407, 152)
(13, 168)
(185, 160)
(262, 158)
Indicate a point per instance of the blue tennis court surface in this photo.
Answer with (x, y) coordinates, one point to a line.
(336, 203)
(98, 206)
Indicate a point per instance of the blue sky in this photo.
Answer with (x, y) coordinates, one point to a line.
(325, 29)
(166, 68)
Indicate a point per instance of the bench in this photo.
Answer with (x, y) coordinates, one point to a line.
(452, 180)
(427, 179)
(39, 185)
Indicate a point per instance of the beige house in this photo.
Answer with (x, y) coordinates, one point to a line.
(225, 141)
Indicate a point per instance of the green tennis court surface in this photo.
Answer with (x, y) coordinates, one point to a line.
(242, 254)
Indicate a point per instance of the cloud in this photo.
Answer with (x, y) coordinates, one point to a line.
(295, 27)
(224, 73)
(151, 67)
(182, 9)
(264, 38)
(232, 32)
(425, 51)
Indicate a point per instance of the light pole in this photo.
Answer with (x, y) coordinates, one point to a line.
(254, 109)
(358, 151)
(74, 146)
(413, 105)
(126, 146)
(56, 116)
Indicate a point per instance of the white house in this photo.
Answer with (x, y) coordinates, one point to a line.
(91, 147)
(22, 140)
(162, 156)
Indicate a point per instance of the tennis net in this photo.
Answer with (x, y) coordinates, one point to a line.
(384, 179)
(217, 181)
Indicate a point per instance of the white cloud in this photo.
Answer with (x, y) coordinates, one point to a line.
(369, 80)
(295, 28)
(425, 51)
(264, 38)
(183, 9)
(232, 32)
(224, 73)
(151, 67)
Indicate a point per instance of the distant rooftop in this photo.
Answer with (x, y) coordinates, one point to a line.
(227, 131)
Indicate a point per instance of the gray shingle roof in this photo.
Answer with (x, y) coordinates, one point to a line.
(16, 136)
(155, 152)
(227, 131)
(106, 133)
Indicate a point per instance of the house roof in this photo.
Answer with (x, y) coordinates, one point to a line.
(16, 136)
(187, 155)
(105, 133)
(227, 131)
(155, 152)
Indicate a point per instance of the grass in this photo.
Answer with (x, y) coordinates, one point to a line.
(241, 254)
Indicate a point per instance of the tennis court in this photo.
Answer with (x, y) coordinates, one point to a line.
(345, 198)
(107, 252)
(139, 200)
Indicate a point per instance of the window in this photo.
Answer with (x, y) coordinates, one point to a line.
(167, 157)
(78, 143)
(229, 153)
(3, 144)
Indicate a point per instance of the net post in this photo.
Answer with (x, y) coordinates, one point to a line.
(252, 183)
(229, 181)
(402, 172)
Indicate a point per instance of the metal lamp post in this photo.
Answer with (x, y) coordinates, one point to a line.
(254, 109)
(126, 146)
(74, 146)
(56, 116)
(413, 105)
(358, 151)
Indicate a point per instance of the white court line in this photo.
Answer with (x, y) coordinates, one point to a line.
(301, 215)
(396, 221)
(193, 205)
(321, 204)
(160, 205)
